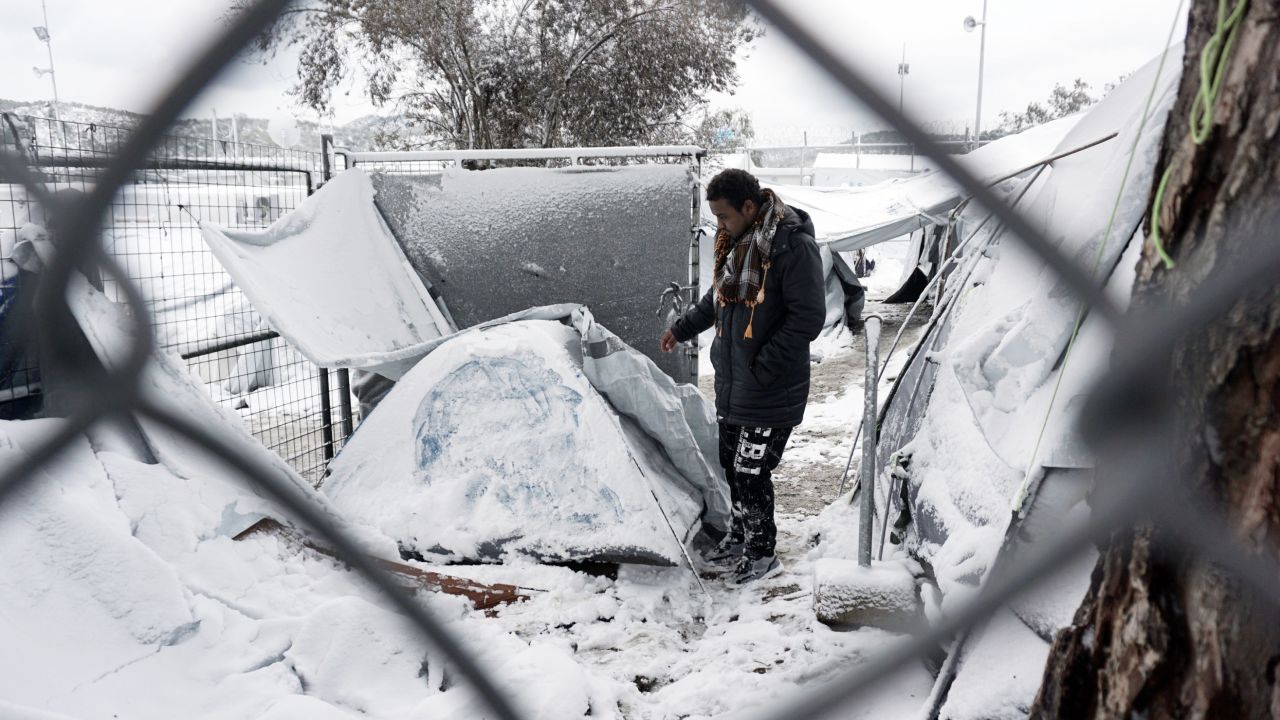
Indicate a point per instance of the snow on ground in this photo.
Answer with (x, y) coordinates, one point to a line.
(125, 596)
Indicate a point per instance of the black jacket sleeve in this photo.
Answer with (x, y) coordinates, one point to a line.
(697, 318)
(804, 303)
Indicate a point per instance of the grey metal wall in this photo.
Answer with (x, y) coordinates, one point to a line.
(493, 242)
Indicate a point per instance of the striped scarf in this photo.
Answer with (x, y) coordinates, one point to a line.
(742, 265)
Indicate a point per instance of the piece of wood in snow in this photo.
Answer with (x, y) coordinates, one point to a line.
(482, 596)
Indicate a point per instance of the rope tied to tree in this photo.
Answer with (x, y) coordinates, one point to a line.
(1213, 63)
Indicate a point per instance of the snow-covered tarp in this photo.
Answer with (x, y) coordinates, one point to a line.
(166, 383)
(849, 219)
(495, 242)
(330, 277)
(996, 387)
(539, 434)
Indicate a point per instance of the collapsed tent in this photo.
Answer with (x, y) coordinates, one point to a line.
(330, 278)
(165, 383)
(845, 294)
(19, 373)
(984, 414)
(539, 434)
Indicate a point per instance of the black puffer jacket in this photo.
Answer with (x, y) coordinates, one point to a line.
(763, 381)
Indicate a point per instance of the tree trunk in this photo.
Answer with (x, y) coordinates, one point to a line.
(1161, 634)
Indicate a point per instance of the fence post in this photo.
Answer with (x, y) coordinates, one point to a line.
(326, 147)
(803, 152)
(344, 375)
(326, 414)
(326, 400)
(870, 436)
(695, 258)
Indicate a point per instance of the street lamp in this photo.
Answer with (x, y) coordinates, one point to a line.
(42, 34)
(903, 70)
(969, 25)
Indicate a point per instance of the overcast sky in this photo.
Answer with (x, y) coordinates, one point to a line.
(118, 53)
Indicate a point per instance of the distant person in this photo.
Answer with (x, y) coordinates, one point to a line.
(767, 302)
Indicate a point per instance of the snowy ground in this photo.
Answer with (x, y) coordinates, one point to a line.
(126, 598)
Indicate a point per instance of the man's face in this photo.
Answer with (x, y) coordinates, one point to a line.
(730, 219)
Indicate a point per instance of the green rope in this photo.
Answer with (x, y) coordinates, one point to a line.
(1213, 64)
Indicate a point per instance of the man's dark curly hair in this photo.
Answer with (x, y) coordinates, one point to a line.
(736, 186)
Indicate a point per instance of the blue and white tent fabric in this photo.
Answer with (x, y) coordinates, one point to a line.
(538, 434)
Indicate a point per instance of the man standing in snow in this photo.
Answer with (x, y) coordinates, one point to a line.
(767, 302)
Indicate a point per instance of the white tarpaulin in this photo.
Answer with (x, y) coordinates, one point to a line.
(330, 277)
(541, 434)
(854, 218)
(166, 383)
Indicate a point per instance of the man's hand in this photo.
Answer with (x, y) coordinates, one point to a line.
(667, 342)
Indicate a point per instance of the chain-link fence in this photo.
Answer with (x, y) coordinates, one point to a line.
(1124, 407)
(196, 310)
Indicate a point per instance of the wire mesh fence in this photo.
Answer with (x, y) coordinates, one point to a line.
(197, 312)
(1110, 411)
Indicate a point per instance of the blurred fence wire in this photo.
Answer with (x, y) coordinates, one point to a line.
(107, 174)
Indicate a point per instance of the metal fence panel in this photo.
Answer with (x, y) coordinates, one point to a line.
(197, 312)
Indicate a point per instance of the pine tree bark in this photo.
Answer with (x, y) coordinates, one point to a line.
(1160, 634)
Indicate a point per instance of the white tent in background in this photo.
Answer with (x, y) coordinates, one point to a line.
(857, 169)
(850, 219)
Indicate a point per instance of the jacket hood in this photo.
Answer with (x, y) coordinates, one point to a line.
(793, 220)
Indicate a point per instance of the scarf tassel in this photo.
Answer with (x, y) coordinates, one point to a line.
(759, 299)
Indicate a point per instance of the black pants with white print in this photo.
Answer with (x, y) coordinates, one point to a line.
(749, 456)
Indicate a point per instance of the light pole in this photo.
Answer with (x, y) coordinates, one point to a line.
(42, 32)
(903, 69)
(969, 25)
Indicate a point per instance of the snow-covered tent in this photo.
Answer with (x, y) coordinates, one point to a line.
(129, 590)
(983, 416)
(539, 434)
